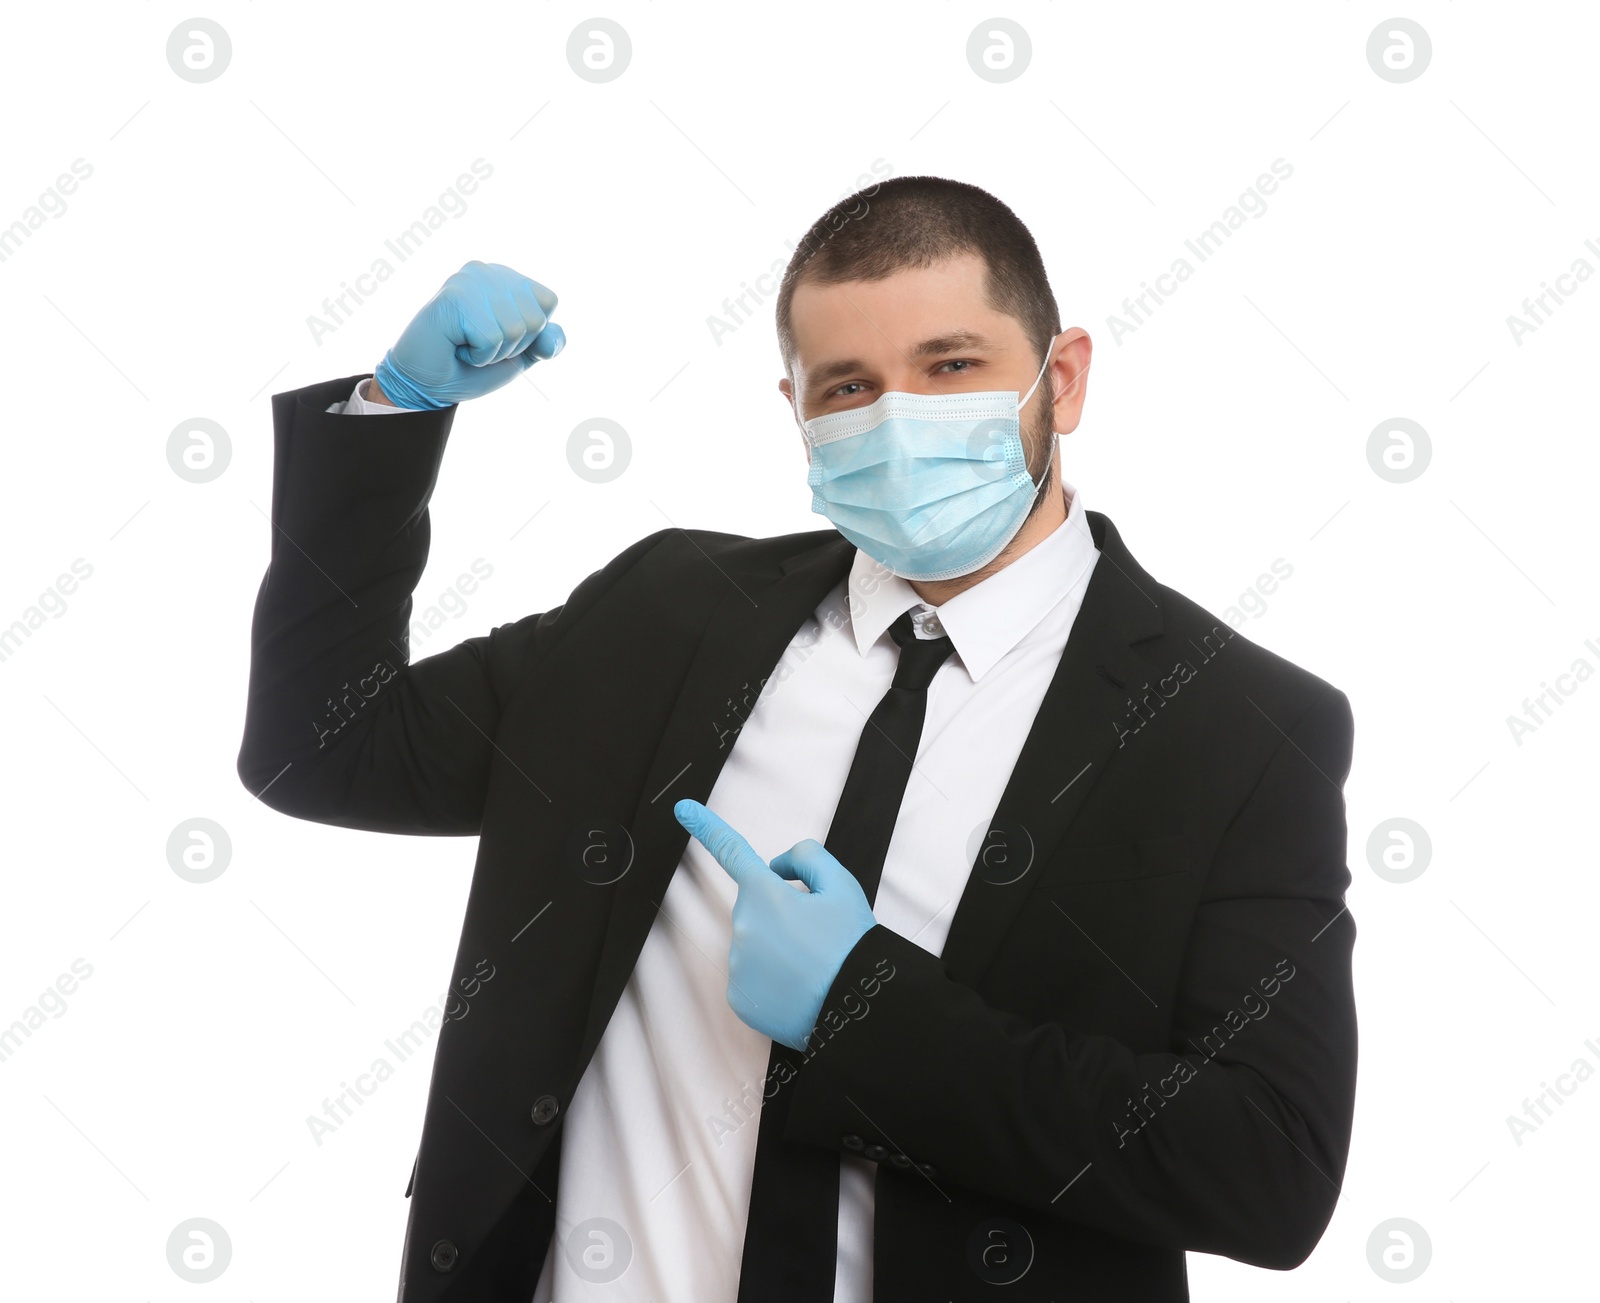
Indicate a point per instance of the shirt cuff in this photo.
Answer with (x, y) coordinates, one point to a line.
(356, 405)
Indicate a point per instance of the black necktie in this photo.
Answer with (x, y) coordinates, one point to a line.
(791, 1238)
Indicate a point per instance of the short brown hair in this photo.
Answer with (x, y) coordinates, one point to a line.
(915, 221)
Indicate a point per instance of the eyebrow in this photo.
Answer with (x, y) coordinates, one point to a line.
(954, 342)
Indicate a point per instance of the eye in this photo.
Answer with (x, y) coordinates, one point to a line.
(963, 362)
(840, 391)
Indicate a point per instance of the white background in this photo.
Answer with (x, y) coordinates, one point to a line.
(1228, 431)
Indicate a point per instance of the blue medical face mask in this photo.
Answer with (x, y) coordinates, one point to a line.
(932, 486)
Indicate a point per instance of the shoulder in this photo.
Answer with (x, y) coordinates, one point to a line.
(687, 555)
(1234, 675)
(1190, 626)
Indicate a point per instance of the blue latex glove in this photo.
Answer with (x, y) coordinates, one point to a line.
(485, 326)
(788, 945)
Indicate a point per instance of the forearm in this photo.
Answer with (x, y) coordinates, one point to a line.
(372, 391)
(349, 540)
(1231, 1140)
(1180, 1151)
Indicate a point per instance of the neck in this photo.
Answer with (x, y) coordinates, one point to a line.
(1050, 512)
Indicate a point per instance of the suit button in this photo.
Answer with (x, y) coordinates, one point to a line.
(443, 1256)
(877, 1153)
(545, 1108)
(927, 1169)
(902, 1161)
(852, 1142)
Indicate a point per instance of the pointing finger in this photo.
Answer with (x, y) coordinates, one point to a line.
(727, 847)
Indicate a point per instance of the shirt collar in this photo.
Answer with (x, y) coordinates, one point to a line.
(987, 620)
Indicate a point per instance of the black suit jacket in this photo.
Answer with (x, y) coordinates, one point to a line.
(1140, 1038)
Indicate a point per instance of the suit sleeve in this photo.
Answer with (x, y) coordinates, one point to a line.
(1232, 1143)
(340, 726)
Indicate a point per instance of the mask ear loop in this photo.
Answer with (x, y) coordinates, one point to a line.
(1024, 401)
(1055, 435)
(1055, 439)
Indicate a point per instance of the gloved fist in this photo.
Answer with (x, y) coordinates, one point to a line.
(788, 945)
(485, 326)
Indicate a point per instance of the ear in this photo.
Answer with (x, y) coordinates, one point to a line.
(1069, 378)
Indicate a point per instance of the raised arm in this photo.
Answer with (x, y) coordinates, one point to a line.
(340, 726)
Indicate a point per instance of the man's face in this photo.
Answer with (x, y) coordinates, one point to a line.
(925, 330)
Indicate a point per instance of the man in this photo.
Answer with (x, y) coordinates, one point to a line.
(1048, 979)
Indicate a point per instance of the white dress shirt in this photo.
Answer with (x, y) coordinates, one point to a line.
(358, 405)
(660, 1137)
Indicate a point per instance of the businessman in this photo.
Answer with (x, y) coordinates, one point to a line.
(896, 911)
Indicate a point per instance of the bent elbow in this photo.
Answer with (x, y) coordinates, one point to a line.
(266, 781)
(1292, 1228)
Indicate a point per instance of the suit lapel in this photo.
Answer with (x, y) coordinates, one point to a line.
(1070, 746)
(751, 627)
